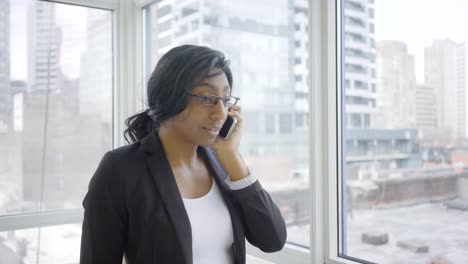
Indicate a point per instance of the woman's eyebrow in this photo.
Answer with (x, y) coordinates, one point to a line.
(226, 88)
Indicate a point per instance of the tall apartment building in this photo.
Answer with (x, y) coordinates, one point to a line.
(95, 88)
(61, 108)
(425, 108)
(445, 72)
(260, 40)
(359, 63)
(461, 89)
(396, 82)
(5, 91)
(43, 47)
(300, 60)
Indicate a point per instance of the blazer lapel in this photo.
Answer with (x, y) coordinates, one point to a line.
(165, 183)
(219, 175)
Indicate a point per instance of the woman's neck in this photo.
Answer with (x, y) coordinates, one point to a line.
(180, 153)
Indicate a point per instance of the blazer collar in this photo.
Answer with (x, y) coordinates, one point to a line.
(166, 185)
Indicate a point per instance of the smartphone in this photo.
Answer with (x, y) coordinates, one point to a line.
(228, 127)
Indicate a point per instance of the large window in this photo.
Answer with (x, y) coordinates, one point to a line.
(389, 169)
(258, 38)
(56, 94)
(403, 186)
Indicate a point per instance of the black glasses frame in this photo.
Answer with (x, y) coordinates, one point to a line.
(213, 99)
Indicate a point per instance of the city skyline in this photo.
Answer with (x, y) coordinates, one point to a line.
(20, 38)
(382, 165)
(395, 20)
(401, 29)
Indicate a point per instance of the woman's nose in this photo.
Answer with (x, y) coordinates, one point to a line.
(219, 110)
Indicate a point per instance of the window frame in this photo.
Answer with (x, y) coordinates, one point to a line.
(332, 124)
(324, 33)
(119, 112)
(325, 121)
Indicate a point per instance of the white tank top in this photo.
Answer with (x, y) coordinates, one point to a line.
(212, 234)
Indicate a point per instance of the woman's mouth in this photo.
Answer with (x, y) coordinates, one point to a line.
(212, 131)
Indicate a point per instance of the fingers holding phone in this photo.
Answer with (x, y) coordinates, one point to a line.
(235, 112)
(230, 134)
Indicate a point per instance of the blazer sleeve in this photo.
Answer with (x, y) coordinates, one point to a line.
(264, 225)
(103, 233)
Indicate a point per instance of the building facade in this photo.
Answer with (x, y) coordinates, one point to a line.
(396, 82)
(445, 73)
(359, 63)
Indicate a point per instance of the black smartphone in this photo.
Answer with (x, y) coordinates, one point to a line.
(228, 127)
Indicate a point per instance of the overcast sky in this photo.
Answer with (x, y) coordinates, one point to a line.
(418, 22)
(415, 22)
(18, 49)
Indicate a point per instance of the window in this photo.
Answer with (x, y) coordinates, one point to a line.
(164, 10)
(285, 123)
(371, 13)
(188, 11)
(56, 122)
(297, 43)
(299, 118)
(20, 246)
(165, 26)
(267, 91)
(270, 123)
(400, 175)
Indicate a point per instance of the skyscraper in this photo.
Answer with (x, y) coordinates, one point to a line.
(359, 63)
(445, 72)
(261, 55)
(43, 47)
(95, 88)
(300, 59)
(461, 90)
(5, 91)
(425, 109)
(396, 80)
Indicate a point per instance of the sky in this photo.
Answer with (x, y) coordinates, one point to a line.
(415, 22)
(418, 22)
(18, 33)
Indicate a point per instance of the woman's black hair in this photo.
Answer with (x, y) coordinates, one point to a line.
(170, 81)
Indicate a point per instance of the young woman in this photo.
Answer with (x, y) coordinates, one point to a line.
(179, 193)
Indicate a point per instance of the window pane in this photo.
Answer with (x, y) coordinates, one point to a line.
(55, 103)
(404, 186)
(55, 244)
(266, 42)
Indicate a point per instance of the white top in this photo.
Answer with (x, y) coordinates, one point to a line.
(212, 234)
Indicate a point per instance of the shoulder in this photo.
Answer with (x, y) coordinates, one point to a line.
(125, 151)
(114, 170)
(119, 162)
(124, 155)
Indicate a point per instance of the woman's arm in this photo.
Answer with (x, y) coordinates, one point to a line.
(104, 228)
(264, 225)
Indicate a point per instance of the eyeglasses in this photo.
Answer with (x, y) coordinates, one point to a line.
(228, 101)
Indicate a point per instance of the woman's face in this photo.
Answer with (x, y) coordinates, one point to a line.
(199, 124)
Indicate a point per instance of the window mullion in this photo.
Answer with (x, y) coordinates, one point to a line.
(104, 4)
(53, 218)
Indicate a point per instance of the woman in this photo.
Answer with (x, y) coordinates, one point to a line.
(179, 193)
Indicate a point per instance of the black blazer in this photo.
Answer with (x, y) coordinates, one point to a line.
(134, 206)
